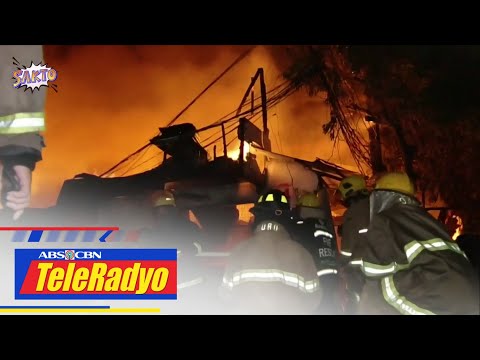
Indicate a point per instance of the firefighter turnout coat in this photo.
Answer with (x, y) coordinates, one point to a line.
(271, 274)
(353, 232)
(411, 264)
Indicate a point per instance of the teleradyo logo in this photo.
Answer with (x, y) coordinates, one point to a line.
(70, 255)
(96, 273)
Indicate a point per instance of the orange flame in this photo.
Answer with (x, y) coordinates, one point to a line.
(235, 154)
(459, 228)
(102, 104)
(244, 213)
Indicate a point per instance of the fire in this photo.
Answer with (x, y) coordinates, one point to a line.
(235, 154)
(244, 213)
(459, 229)
(96, 108)
(97, 173)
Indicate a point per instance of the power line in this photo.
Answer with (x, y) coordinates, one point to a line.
(274, 100)
(145, 161)
(283, 91)
(237, 60)
(230, 116)
(132, 165)
(256, 98)
(218, 132)
(124, 160)
(226, 133)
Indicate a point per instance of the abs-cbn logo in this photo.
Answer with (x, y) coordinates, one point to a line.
(70, 255)
(96, 274)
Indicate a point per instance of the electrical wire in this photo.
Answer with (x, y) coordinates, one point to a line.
(150, 158)
(274, 100)
(283, 90)
(132, 165)
(231, 66)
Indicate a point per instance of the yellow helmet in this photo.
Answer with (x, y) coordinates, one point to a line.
(162, 198)
(396, 181)
(352, 185)
(309, 200)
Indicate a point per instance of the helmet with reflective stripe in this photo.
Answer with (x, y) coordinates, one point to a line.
(396, 181)
(352, 185)
(162, 198)
(273, 200)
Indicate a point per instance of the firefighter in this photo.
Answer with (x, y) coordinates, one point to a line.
(355, 197)
(174, 226)
(21, 120)
(171, 229)
(410, 263)
(317, 237)
(271, 273)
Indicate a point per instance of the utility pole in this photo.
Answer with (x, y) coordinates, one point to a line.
(263, 89)
(224, 140)
(242, 140)
(266, 140)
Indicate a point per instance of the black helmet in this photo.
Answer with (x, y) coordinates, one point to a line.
(274, 202)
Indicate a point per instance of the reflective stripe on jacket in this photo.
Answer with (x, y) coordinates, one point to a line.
(271, 274)
(417, 266)
(354, 225)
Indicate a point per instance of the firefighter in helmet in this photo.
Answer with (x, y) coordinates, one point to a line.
(171, 229)
(313, 233)
(410, 263)
(273, 204)
(355, 197)
(271, 273)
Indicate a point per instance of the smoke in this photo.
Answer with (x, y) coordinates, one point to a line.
(112, 99)
(297, 130)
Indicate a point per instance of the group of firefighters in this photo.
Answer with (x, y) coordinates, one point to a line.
(393, 258)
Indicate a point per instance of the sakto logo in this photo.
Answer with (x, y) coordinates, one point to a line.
(93, 274)
(34, 76)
